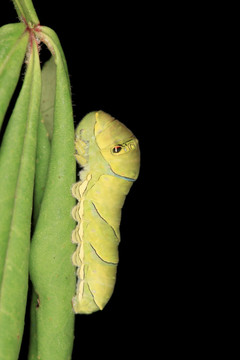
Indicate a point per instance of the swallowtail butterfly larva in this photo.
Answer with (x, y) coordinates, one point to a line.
(109, 155)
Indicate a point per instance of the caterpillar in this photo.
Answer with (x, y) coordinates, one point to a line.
(109, 155)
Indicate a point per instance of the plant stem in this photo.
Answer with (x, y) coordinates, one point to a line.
(26, 12)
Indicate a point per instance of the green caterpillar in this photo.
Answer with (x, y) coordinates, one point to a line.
(110, 156)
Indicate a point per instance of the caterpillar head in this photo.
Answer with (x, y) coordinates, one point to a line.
(118, 146)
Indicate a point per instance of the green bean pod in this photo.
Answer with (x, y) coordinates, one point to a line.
(13, 44)
(17, 169)
(51, 270)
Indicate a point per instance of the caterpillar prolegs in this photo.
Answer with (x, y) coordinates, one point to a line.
(110, 156)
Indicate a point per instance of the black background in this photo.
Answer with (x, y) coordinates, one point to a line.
(107, 48)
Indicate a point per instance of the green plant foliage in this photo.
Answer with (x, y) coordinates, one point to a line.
(48, 94)
(42, 161)
(17, 169)
(13, 44)
(51, 270)
(37, 170)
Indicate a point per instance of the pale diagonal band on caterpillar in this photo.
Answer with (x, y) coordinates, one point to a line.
(95, 207)
(78, 256)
